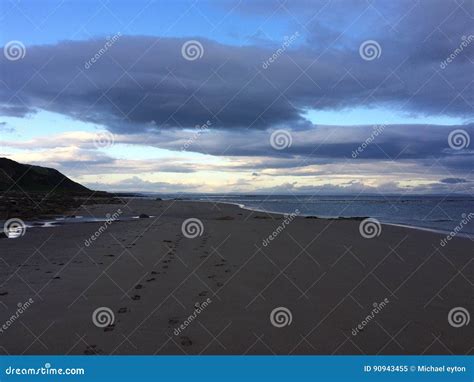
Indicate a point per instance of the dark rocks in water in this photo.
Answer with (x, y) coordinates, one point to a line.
(311, 217)
(158, 199)
(143, 216)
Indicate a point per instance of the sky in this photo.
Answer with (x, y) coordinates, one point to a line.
(320, 96)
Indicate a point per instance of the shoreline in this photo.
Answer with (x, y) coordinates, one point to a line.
(152, 273)
(354, 218)
(64, 219)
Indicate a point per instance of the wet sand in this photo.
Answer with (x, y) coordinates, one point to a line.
(214, 294)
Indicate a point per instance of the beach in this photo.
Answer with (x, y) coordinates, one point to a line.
(147, 286)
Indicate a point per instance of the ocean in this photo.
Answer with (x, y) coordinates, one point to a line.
(438, 213)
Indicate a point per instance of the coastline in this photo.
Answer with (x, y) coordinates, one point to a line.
(355, 218)
(153, 277)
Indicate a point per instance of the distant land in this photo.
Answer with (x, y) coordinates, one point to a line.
(29, 191)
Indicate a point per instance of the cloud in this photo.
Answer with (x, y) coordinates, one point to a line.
(137, 184)
(5, 128)
(143, 83)
(453, 180)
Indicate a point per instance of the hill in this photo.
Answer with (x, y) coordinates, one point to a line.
(15, 176)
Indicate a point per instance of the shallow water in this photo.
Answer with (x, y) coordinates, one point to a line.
(439, 213)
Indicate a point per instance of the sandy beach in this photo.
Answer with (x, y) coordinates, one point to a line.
(324, 277)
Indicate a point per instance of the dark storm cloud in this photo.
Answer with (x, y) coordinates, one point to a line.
(144, 83)
(453, 180)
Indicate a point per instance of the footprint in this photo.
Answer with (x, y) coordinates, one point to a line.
(136, 297)
(92, 350)
(154, 272)
(164, 266)
(173, 321)
(139, 286)
(186, 341)
(203, 293)
(152, 279)
(123, 310)
(3, 293)
(109, 328)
